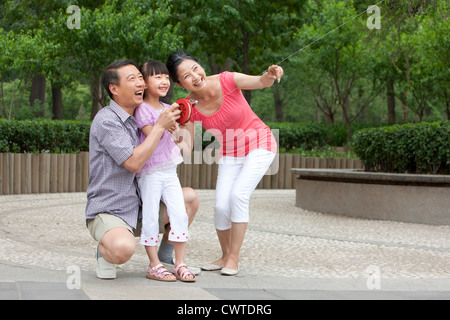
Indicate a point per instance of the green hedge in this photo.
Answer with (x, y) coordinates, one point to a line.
(410, 148)
(56, 136)
(304, 136)
(35, 136)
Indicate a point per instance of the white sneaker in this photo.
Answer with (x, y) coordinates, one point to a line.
(104, 269)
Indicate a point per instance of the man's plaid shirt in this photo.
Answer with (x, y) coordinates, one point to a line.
(112, 188)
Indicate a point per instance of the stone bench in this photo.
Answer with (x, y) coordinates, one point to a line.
(410, 198)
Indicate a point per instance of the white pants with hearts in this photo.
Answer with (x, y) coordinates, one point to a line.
(162, 185)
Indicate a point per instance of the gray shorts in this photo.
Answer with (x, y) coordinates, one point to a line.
(104, 222)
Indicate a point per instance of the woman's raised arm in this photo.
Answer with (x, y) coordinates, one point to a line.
(267, 79)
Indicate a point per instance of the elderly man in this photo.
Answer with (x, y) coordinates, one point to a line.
(115, 156)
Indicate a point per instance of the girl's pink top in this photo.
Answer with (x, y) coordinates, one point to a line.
(235, 125)
(167, 154)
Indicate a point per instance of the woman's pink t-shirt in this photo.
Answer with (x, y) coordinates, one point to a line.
(235, 125)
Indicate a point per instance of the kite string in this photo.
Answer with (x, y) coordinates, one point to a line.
(196, 110)
(323, 36)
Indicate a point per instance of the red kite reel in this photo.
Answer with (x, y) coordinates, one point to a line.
(186, 106)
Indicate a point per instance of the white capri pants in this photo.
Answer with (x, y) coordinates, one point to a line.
(162, 185)
(237, 179)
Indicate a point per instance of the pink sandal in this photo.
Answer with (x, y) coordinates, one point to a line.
(159, 272)
(183, 274)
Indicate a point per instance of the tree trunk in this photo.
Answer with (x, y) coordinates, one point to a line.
(57, 106)
(37, 89)
(390, 101)
(330, 118)
(447, 104)
(345, 115)
(246, 65)
(279, 113)
(98, 98)
(404, 105)
(217, 68)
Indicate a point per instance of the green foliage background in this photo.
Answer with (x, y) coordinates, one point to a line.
(340, 75)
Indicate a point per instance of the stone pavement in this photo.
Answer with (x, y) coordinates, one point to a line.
(288, 254)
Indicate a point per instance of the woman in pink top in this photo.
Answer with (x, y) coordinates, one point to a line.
(247, 146)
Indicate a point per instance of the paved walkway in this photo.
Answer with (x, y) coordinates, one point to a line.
(288, 254)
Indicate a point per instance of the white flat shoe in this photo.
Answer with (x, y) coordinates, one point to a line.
(212, 267)
(228, 272)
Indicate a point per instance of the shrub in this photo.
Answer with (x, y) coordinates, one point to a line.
(41, 135)
(337, 133)
(304, 136)
(37, 136)
(407, 148)
(294, 136)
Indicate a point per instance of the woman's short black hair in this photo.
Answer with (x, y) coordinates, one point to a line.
(152, 67)
(111, 76)
(174, 61)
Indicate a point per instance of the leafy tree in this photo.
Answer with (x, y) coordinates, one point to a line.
(401, 21)
(245, 35)
(130, 29)
(430, 61)
(337, 63)
(21, 58)
(32, 15)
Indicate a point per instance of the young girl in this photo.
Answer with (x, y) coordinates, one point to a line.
(247, 150)
(158, 179)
